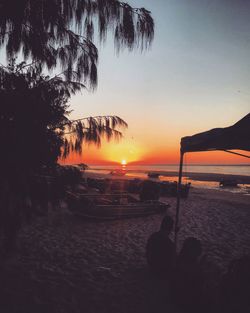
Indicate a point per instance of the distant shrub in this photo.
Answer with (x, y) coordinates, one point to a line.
(68, 175)
(149, 191)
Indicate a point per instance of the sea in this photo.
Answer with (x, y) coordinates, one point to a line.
(141, 171)
(235, 169)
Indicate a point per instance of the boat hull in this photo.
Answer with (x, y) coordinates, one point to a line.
(118, 211)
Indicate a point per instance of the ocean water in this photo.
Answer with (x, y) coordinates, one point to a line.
(239, 169)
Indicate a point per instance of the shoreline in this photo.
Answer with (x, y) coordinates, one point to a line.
(243, 179)
(212, 177)
(199, 181)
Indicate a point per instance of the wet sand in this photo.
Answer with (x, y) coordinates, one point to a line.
(210, 177)
(69, 265)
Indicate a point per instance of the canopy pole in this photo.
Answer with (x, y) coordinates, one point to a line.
(178, 199)
(240, 154)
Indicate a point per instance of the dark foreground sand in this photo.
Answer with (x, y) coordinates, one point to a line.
(70, 265)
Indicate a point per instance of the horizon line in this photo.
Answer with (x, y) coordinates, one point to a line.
(168, 164)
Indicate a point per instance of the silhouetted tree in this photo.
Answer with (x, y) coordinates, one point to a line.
(34, 132)
(34, 118)
(34, 127)
(61, 32)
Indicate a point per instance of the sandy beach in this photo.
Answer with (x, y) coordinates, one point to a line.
(70, 265)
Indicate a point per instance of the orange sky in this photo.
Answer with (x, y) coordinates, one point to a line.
(113, 153)
(195, 77)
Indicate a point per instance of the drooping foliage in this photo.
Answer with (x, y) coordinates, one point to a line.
(90, 130)
(34, 125)
(34, 128)
(61, 32)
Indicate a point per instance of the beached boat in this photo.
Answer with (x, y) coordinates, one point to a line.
(228, 183)
(153, 175)
(118, 172)
(112, 206)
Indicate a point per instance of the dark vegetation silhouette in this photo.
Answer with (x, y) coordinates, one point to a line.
(35, 128)
(55, 36)
(35, 132)
(57, 33)
(149, 191)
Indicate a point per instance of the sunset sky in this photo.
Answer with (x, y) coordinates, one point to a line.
(195, 77)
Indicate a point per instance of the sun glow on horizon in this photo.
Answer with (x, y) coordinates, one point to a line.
(123, 152)
(124, 162)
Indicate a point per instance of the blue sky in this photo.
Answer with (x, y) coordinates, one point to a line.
(198, 63)
(196, 75)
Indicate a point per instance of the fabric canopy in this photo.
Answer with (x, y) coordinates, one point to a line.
(235, 137)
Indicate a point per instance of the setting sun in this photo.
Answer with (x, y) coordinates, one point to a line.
(124, 162)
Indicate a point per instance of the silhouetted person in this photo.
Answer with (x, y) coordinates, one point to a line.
(188, 281)
(160, 250)
(235, 287)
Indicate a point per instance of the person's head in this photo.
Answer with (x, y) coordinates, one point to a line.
(167, 224)
(191, 248)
